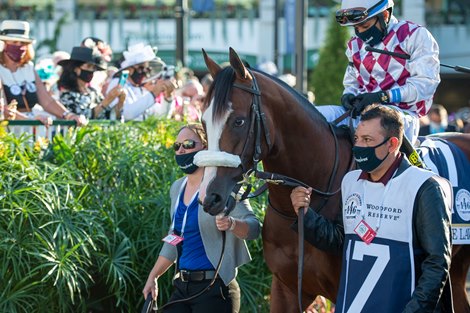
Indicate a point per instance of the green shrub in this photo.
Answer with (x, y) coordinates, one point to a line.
(81, 220)
(327, 78)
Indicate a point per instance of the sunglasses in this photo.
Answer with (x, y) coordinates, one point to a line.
(187, 144)
(354, 15)
(143, 69)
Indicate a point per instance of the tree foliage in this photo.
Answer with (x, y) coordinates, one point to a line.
(327, 77)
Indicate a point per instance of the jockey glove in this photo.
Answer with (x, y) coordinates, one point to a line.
(347, 101)
(365, 99)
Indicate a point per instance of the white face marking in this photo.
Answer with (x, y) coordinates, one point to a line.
(213, 132)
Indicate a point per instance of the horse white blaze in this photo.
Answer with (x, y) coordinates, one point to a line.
(213, 132)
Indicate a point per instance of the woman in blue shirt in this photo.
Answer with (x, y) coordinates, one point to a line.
(194, 241)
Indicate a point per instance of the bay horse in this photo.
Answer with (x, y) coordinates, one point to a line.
(249, 117)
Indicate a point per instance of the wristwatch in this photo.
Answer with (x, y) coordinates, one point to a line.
(233, 223)
(65, 114)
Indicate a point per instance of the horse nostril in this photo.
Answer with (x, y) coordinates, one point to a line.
(217, 198)
(212, 204)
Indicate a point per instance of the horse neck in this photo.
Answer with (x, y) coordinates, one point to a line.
(300, 140)
(304, 149)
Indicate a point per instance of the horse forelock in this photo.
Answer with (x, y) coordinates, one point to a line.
(219, 93)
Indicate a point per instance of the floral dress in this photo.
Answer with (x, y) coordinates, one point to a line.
(83, 103)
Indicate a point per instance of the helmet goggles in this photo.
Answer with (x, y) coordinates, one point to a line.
(354, 16)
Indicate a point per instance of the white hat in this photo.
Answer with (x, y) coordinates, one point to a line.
(136, 54)
(15, 31)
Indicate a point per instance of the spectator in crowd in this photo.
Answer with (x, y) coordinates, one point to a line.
(464, 116)
(194, 241)
(110, 72)
(391, 210)
(104, 49)
(192, 98)
(47, 73)
(206, 82)
(438, 121)
(20, 80)
(268, 67)
(145, 95)
(406, 83)
(75, 92)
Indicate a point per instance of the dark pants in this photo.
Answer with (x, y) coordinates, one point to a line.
(218, 299)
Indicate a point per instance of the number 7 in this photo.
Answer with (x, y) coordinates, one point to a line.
(382, 252)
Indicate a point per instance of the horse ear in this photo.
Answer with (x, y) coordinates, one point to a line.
(237, 65)
(213, 67)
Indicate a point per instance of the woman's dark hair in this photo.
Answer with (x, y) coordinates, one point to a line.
(68, 78)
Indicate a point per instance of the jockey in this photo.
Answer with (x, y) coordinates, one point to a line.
(406, 79)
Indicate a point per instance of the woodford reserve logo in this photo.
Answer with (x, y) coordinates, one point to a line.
(462, 204)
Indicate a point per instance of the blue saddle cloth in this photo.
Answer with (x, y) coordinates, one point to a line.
(447, 160)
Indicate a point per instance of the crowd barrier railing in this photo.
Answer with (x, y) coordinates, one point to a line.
(35, 129)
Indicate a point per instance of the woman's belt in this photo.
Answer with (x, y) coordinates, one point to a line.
(188, 276)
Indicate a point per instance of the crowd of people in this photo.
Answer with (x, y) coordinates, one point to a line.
(85, 84)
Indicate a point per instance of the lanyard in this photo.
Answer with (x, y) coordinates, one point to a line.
(387, 187)
(183, 225)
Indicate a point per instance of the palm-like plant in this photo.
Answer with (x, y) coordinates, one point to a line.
(81, 222)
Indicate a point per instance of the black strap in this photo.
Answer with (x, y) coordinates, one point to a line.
(148, 304)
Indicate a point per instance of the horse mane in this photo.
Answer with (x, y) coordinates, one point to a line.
(221, 88)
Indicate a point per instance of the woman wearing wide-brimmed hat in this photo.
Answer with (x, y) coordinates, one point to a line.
(19, 79)
(145, 96)
(76, 94)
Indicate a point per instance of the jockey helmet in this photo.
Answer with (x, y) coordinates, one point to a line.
(353, 12)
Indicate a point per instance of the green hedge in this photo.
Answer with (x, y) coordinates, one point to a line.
(81, 220)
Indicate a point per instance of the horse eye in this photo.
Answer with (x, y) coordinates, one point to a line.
(239, 122)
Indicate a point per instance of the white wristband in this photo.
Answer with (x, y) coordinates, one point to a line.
(233, 223)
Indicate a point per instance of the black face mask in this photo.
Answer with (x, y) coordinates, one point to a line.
(185, 162)
(137, 77)
(372, 36)
(365, 157)
(85, 75)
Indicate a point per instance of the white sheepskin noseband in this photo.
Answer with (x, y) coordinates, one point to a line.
(207, 158)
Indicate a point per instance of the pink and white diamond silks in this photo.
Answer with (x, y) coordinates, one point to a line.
(416, 78)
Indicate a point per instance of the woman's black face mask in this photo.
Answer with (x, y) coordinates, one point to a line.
(86, 75)
(139, 74)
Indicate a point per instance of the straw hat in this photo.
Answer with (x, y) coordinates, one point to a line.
(15, 31)
(85, 55)
(136, 54)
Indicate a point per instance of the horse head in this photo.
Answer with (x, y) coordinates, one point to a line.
(236, 136)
